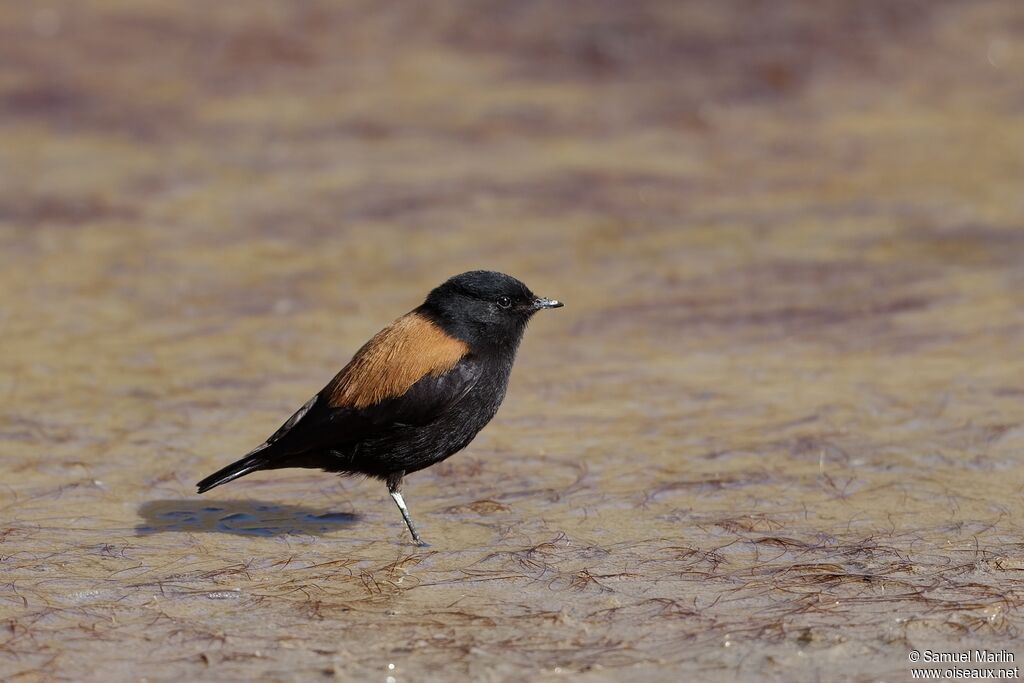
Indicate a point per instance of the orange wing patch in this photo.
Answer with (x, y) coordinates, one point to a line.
(395, 359)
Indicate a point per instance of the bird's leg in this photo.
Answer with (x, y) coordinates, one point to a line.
(395, 489)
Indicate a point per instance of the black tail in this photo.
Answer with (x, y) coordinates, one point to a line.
(250, 463)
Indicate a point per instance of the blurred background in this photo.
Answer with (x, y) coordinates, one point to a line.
(779, 416)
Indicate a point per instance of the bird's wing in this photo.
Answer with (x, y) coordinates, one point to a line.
(293, 420)
(393, 361)
(407, 375)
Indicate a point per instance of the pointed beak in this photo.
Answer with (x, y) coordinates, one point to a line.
(541, 302)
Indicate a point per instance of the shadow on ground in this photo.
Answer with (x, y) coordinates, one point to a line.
(242, 517)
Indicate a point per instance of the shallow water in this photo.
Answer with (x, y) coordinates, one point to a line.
(776, 433)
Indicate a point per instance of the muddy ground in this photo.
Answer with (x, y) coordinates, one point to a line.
(776, 433)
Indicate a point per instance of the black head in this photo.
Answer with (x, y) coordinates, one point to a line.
(485, 307)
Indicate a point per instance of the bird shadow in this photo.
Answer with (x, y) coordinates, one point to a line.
(241, 517)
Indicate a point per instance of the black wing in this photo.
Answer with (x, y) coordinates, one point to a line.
(319, 427)
(316, 430)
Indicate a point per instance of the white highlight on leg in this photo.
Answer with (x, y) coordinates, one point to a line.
(400, 502)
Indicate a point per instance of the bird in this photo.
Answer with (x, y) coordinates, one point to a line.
(416, 393)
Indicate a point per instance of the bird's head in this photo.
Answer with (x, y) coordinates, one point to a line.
(485, 307)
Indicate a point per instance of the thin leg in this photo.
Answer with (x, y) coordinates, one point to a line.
(395, 489)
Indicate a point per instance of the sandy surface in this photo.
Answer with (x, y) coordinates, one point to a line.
(776, 433)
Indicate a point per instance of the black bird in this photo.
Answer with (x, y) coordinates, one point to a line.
(416, 393)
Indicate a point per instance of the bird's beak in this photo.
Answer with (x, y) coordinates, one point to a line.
(541, 302)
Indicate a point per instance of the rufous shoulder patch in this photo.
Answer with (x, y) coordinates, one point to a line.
(393, 360)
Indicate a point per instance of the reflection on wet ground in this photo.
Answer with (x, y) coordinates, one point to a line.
(243, 517)
(776, 432)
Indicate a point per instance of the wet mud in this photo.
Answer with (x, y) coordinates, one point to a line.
(775, 434)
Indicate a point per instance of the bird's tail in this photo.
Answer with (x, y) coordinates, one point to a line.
(253, 461)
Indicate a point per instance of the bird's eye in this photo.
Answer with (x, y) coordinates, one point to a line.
(504, 301)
